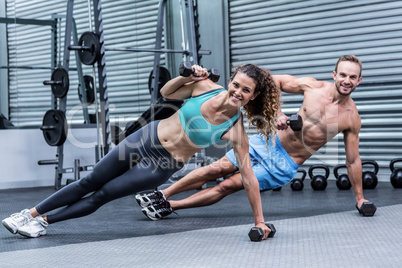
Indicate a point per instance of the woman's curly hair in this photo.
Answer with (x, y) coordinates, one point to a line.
(262, 111)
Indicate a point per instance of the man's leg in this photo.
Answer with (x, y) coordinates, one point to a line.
(210, 196)
(198, 177)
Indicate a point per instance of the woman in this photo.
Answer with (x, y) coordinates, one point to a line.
(148, 157)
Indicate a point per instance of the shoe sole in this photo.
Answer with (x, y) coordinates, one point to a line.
(9, 228)
(30, 236)
(139, 201)
(149, 217)
(144, 204)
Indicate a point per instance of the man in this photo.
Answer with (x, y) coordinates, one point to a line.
(327, 109)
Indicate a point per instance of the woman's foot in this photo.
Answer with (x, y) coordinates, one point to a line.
(35, 227)
(17, 220)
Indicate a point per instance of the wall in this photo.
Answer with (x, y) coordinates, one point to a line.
(21, 149)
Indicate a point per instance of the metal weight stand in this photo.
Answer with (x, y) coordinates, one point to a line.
(70, 30)
(190, 53)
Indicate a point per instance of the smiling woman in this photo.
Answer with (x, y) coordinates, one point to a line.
(148, 157)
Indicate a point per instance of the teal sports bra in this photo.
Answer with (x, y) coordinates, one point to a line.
(200, 131)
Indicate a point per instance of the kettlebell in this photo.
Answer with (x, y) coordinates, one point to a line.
(297, 183)
(369, 178)
(396, 176)
(342, 181)
(318, 182)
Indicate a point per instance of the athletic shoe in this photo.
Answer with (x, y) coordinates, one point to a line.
(17, 220)
(35, 227)
(158, 211)
(147, 199)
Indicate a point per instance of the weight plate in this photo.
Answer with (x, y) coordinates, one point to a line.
(89, 89)
(54, 127)
(89, 56)
(60, 90)
(164, 77)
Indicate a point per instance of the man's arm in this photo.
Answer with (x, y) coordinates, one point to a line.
(291, 84)
(353, 162)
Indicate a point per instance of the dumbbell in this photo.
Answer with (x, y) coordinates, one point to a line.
(186, 69)
(297, 183)
(369, 178)
(342, 181)
(367, 209)
(318, 182)
(256, 234)
(396, 176)
(295, 122)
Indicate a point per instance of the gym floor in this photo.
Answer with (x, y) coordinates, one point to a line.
(314, 229)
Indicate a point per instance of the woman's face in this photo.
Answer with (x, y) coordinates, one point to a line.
(241, 90)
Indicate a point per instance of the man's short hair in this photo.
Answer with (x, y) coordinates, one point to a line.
(351, 58)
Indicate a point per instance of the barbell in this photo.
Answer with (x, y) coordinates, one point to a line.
(89, 49)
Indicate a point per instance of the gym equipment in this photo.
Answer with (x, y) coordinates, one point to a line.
(295, 122)
(297, 183)
(396, 176)
(59, 82)
(5, 123)
(369, 178)
(164, 77)
(54, 127)
(76, 169)
(185, 69)
(318, 182)
(367, 209)
(342, 181)
(256, 234)
(89, 47)
(89, 90)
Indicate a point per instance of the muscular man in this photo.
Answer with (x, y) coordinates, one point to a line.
(327, 109)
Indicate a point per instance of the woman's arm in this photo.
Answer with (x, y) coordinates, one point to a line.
(182, 87)
(239, 140)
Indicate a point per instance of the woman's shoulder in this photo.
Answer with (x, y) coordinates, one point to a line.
(213, 91)
(205, 86)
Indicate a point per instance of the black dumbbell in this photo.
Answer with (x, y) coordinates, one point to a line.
(367, 209)
(396, 176)
(297, 183)
(369, 178)
(318, 182)
(256, 234)
(295, 122)
(342, 181)
(186, 69)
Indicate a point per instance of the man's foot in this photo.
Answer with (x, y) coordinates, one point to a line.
(158, 211)
(147, 199)
(35, 227)
(17, 220)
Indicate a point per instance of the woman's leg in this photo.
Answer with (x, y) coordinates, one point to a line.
(141, 177)
(114, 164)
(153, 165)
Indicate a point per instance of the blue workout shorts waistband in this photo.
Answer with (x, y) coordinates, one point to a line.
(283, 151)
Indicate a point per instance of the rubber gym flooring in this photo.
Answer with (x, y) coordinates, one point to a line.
(314, 229)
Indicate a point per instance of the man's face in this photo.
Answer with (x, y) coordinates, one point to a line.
(347, 77)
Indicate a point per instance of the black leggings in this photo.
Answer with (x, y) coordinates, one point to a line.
(138, 163)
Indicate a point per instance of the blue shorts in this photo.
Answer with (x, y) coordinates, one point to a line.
(273, 168)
